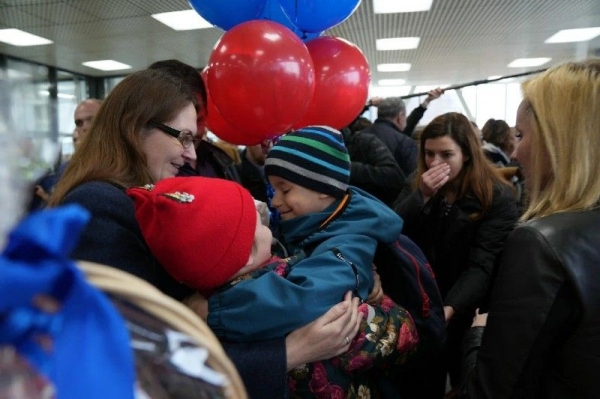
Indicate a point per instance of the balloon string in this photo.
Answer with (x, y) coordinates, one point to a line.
(296, 12)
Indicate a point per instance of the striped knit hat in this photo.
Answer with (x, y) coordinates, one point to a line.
(313, 157)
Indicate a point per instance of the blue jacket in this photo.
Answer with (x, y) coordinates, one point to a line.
(341, 243)
(113, 237)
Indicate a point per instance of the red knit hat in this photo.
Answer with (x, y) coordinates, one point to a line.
(200, 229)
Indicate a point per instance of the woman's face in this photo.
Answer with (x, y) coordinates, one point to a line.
(512, 141)
(522, 152)
(164, 153)
(444, 149)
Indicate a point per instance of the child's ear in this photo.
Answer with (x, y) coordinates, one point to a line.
(323, 196)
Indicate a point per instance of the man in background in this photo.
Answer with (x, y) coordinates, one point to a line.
(252, 169)
(395, 129)
(84, 116)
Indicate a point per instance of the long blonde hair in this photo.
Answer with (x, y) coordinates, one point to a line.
(563, 105)
(111, 152)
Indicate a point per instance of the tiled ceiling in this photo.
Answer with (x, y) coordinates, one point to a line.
(461, 40)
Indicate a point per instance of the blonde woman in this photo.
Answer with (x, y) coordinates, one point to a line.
(542, 338)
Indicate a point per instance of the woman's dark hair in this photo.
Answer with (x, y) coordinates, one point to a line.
(186, 73)
(497, 132)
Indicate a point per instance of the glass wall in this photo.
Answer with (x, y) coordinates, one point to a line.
(28, 114)
(110, 83)
(28, 135)
(71, 90)
(479, 103)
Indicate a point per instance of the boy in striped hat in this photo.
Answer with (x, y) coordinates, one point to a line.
(334, 229)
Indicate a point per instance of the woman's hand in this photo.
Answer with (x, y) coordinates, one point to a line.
(376, 295)
(433, 179)
(198, 304)
(480, 319)
(328, 336)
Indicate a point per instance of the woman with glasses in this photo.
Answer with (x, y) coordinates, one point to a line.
(144, 132)
(542, 338)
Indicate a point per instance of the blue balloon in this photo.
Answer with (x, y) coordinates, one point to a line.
(228, 13)
(318, 15)
(274, 12)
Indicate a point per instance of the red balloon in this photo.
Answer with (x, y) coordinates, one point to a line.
(223, 129)
(261, 78)
(342, 76)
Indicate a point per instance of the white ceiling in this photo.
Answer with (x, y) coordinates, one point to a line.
(461, 40)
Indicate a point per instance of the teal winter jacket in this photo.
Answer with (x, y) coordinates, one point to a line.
(339, 244)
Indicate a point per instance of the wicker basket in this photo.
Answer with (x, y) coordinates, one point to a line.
(140, 293)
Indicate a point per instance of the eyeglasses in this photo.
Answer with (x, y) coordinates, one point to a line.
(186, 138)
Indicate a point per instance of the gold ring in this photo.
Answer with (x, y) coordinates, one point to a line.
(347, 340)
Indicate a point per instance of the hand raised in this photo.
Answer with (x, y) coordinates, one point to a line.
(433, 179)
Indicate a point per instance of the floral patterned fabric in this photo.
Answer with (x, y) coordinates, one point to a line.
(387, 337)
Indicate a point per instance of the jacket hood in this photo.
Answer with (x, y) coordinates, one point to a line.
(494, 149)
(357, 213)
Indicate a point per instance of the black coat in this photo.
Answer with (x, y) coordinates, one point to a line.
(403, 148)
(542, 338)
(462, 252)
(211, 162)
(373, 167)
(252, 178)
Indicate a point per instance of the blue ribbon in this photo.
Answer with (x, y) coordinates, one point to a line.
(90, 356)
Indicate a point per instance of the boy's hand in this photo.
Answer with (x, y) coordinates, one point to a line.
(376, 295)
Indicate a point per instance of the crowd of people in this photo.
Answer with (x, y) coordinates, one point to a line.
(298, 305)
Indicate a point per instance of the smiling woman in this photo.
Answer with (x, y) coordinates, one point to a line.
(169, 146)
(121, 151)
(143, 134)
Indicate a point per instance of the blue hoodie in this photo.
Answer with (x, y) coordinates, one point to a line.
(340, 244)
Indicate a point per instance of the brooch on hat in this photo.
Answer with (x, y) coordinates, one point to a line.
(180, 197)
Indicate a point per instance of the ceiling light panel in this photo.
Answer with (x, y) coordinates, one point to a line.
(403, 67)
(396, 6)
(17, 37)
(574, 35)
(182, 20)
(528, 62)
(106, 65)
(398, 43)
